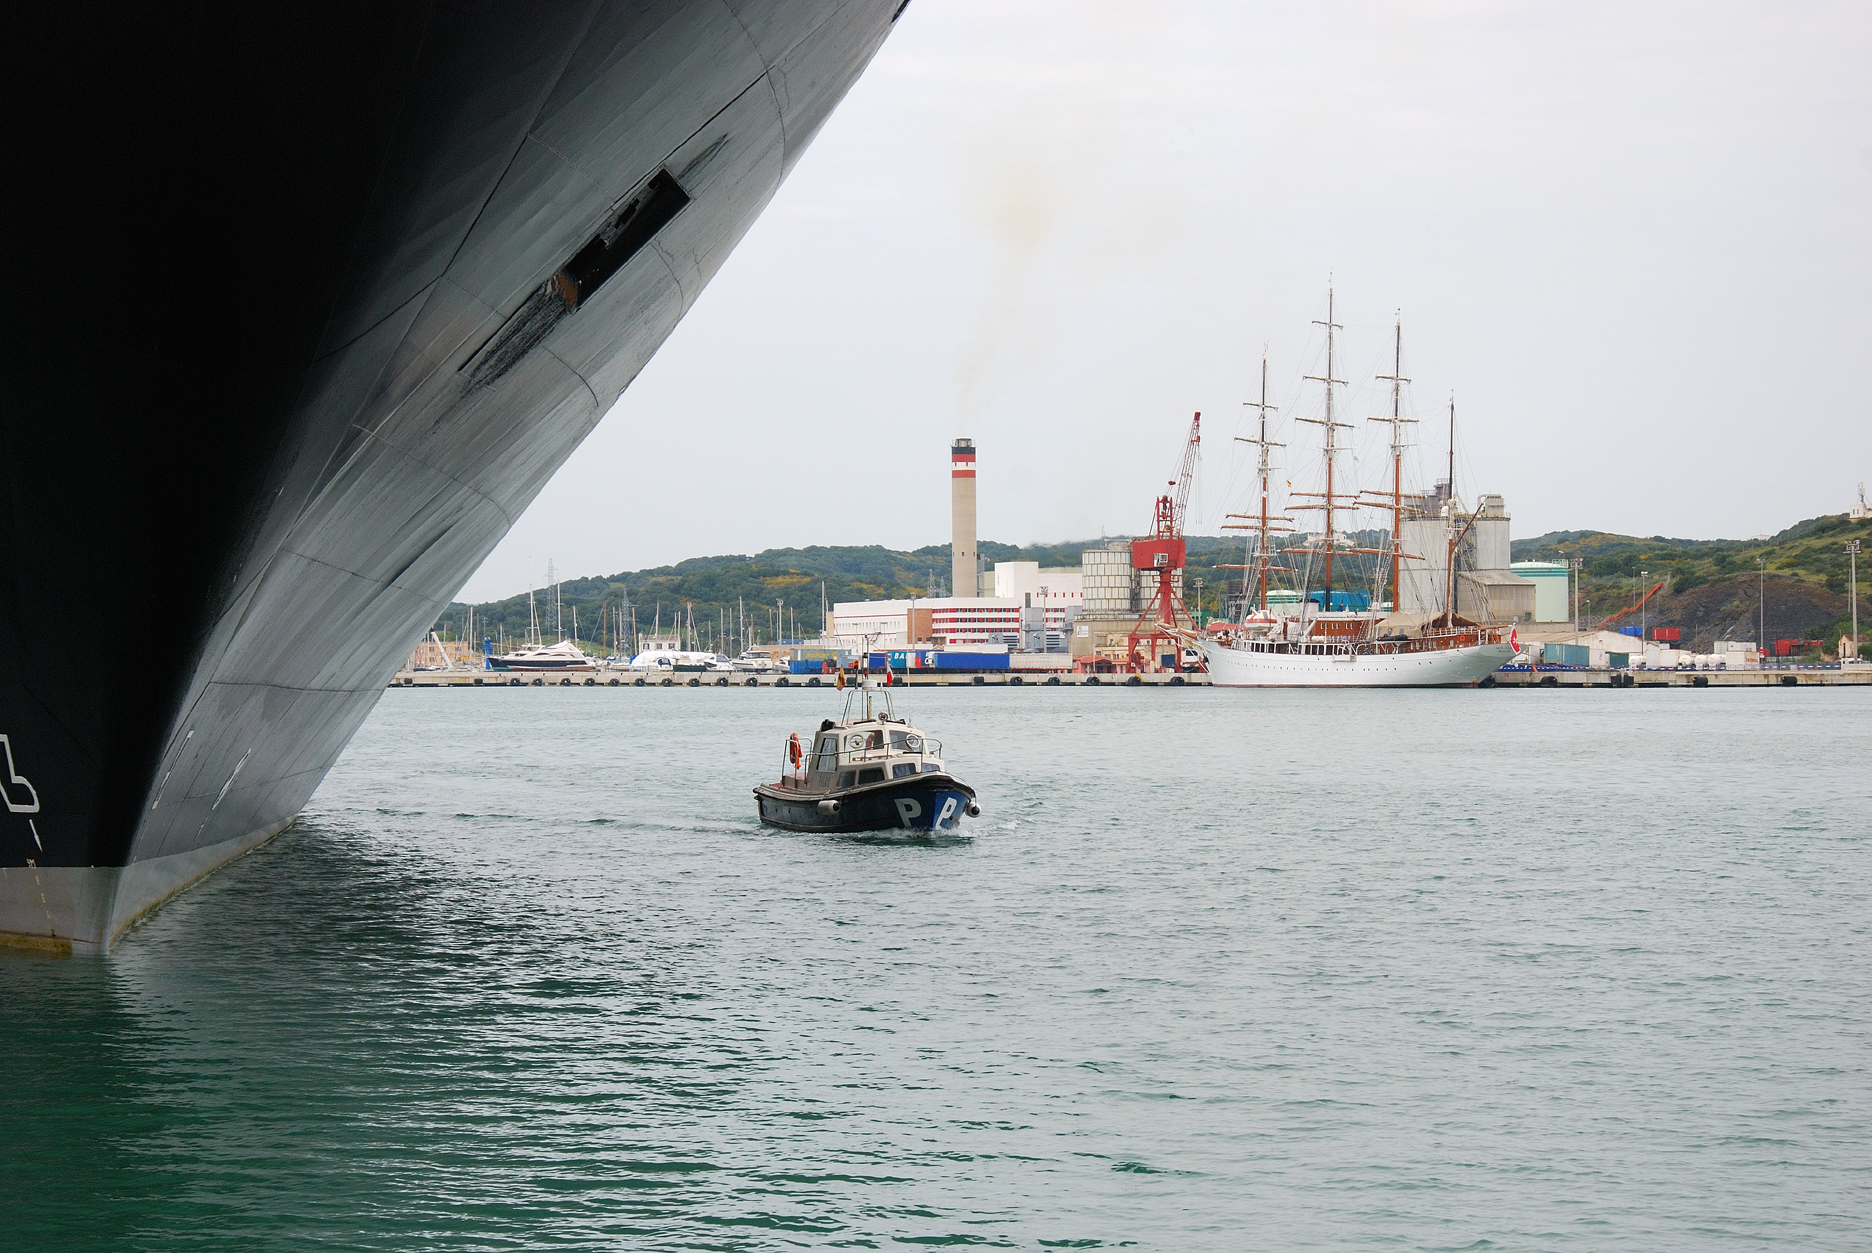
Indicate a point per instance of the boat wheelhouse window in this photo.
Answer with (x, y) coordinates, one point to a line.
(903, 768)
(907, 741)
(871, 774)
(930, 767)
(846, 778)
(828, 753)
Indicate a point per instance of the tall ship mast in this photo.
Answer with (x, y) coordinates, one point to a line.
(320, 298)
(1397, 422)
(1329, 452)
(1265, 523)
(1360, 645)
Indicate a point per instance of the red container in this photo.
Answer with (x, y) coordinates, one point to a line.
(1671, 635)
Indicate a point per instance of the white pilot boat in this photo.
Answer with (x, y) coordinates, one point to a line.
(868, 771)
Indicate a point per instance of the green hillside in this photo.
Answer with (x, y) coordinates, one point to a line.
(1792, 584)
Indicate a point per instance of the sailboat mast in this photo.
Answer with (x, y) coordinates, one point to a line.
(1261, 546)
(1397, 420)
(1331, 448)
(1451, 484)
(1264, 522)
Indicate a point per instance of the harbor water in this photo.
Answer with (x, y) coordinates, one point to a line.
(1571, 970)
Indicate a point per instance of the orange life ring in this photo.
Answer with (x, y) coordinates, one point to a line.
(794, 754)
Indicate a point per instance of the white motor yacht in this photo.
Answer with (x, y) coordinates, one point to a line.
(565, 655)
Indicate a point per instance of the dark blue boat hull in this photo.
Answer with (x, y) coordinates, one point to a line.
(927, 802)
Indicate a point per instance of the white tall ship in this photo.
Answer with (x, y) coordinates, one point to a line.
(1326, 646)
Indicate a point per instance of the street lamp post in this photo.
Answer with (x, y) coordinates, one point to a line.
(1852, 555)
(1573, 565)
(1761, 602)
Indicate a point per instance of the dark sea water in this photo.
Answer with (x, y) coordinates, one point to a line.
(1214, 970)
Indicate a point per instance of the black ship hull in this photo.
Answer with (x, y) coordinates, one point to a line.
(307, 306)
(920, 802)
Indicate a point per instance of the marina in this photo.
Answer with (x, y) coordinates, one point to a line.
(1607, 678)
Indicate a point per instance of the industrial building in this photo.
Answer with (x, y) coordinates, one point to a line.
(1552, 581)
(1488, 590)
(951, 622)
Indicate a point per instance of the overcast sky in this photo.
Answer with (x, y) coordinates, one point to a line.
(1633, 241)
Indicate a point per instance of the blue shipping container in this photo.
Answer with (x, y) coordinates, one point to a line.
(1631, 630)
(971, 661)
(902, 659)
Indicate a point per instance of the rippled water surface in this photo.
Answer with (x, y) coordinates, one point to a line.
(1214, 970)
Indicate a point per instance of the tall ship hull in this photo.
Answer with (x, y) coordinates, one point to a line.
(1335, 665)
(310, 304)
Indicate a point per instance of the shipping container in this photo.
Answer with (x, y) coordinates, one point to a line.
(1567, 654)
(1631, 630)
(1667, 635)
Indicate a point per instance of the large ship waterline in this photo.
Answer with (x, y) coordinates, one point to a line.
(315, 303)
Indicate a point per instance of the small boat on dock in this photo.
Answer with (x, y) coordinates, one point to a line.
(869, 772)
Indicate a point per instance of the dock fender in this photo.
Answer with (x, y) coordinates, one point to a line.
(828, 807)
(751, 682)
(973, 810)
(638, 683)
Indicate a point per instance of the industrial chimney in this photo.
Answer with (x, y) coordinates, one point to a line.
(962, 562)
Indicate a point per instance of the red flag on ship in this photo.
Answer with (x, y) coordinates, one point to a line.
(1514, 639)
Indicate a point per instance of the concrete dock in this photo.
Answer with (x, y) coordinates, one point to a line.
(1005, 678)
(903, 678)
(1769, 677)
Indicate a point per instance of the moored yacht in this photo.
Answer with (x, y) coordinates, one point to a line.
(1338, 637)
(1297, 654)
(565, 655)
(870, 772)
(668, 654)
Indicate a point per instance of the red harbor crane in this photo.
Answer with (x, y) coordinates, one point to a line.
(1161, 628)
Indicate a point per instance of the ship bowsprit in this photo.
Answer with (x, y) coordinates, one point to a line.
(310, 304)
